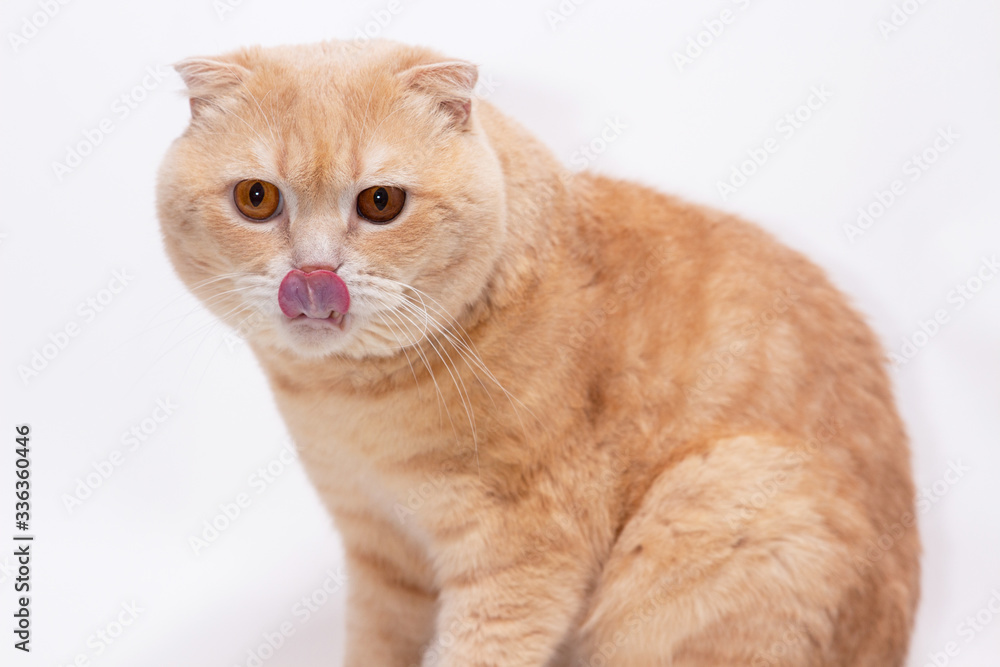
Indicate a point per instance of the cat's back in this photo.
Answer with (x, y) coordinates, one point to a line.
(708, 284)
(732, 332)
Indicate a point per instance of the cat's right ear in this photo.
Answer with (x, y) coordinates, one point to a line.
(208, 79)
(449, 83)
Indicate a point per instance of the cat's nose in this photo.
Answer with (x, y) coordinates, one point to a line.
(317, 294)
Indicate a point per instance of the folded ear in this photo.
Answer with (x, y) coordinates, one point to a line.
(450, 83)
(208, 79)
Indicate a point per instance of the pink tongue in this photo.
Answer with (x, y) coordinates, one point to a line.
(316, 294)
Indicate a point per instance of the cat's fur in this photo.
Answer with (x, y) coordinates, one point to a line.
(611, 427)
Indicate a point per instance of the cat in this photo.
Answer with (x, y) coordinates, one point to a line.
(557, 418)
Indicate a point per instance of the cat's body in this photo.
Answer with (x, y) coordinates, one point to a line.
(628, 430)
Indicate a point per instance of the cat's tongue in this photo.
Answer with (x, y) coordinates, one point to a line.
(317, 294)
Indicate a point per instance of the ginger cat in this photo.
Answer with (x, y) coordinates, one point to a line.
(558, 419)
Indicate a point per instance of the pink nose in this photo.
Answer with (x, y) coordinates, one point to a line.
(317, 294)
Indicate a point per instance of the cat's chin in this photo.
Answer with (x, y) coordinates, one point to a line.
(310, 337)
(319, 339)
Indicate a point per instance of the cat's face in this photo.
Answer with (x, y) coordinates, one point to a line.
(357, 169)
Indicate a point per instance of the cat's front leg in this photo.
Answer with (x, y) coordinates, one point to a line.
(509, 601)
(390, 606)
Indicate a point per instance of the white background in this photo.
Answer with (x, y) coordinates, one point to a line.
(686, 128)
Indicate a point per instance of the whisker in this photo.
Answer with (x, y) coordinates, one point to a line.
(468, 346)
(205, 303)
(193, 289)
(463, 394)
(471, 356)
(403, 348)
(437, 388)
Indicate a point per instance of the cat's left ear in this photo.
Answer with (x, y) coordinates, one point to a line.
(208, 80)
(450, 83)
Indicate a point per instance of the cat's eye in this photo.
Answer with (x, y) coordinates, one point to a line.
(257, 200)
(381, 203)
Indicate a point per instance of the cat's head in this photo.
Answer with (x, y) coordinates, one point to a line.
(332, 177)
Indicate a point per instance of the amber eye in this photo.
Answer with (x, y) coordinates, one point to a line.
(257, 200)
(381, 203)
